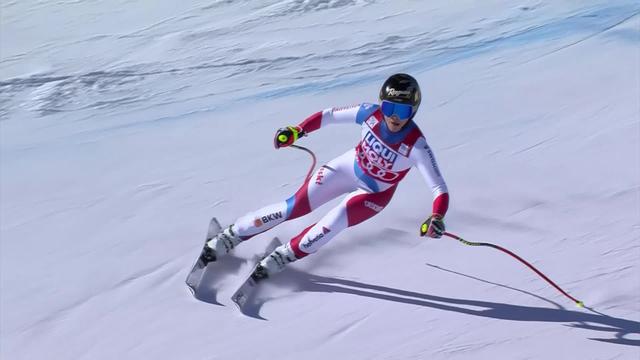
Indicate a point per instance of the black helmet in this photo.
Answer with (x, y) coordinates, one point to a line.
(403, 89)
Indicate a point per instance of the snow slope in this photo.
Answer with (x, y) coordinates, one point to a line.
(125, 126)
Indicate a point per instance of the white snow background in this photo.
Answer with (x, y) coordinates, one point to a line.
(126, 125)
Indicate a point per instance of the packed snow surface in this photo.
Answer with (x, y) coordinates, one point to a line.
(126, 125)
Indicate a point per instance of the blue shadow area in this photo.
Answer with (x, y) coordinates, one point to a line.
(619, 329)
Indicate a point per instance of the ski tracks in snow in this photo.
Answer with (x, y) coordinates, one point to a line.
(344, 329)
(138, 283)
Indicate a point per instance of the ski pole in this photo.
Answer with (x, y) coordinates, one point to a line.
(470, 243)
(313, 158)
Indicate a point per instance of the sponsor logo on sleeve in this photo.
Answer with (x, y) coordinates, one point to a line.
(342, 108)
(432, 158)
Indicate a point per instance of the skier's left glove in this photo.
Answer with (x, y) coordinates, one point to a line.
(433, 227)
(286, 136)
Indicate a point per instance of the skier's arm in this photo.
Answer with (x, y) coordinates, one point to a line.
(345, 115)
(426, 164)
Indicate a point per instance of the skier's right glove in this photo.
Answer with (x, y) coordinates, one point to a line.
(286, 136)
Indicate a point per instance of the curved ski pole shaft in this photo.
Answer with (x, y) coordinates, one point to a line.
(313, 158)
(470, 243)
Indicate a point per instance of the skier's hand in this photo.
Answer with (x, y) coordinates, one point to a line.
(433, 227)
(286, 136)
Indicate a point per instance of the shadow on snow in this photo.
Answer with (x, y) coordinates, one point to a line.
(593, 320)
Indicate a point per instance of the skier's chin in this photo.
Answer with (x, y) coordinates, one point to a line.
(395, 125)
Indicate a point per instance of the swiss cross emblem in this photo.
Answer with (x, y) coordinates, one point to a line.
(404, 149)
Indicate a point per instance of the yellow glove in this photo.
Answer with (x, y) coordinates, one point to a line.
(433, 227)
(286, 136)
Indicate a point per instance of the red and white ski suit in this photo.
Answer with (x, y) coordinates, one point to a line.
(368, 174)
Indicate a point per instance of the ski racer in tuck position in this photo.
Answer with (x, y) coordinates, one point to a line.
(391, 143)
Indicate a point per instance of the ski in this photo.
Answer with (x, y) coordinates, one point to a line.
(197, 271)
(244, 295)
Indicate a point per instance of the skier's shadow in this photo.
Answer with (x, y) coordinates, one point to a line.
(593, 320)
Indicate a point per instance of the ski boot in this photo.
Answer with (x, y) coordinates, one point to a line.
(219, 245)
(274, 262)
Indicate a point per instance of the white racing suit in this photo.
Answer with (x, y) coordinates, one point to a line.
(368, 174)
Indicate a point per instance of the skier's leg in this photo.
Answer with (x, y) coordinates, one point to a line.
(357, 207)
(328, 182)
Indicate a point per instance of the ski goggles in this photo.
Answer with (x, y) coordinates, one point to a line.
(402, 111)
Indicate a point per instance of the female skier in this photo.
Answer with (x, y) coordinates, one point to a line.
(391, 143)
